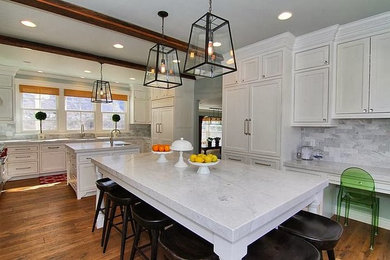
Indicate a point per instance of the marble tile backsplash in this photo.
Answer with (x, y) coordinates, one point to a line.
(362, 142)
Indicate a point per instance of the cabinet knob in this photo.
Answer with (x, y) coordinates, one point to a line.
(365, 110)
(324, 119)
(371, 110)
(325, 62)
(263, 76)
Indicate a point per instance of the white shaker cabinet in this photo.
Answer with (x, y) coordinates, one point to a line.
(249, 70)
(6, 98)
(380, 74)
(352, 87)
(162, 127)
(140, 107)
(52, 158)
(272, 65)
(312, 58)
(311, 96)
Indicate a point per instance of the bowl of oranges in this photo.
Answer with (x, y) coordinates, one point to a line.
(162, 150)
(203, 161)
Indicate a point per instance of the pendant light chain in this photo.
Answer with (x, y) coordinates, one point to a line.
(210, 3)
(162, 26)
(101, 71)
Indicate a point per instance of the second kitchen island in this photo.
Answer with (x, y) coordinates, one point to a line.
(81, 173)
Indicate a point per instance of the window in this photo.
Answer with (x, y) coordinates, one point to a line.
(34, 102)
(116, 107)
(79, 111)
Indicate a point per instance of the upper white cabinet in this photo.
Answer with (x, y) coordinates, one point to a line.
(312, 58)
(272, 65)
(363, 79)
(311, 96)
(157, 93)
(6, 98)
(140, 107)
(249, 70)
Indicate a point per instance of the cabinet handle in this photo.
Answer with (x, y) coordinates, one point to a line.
(22, 157)
(160, 128)
(24, 168)
(156, 128)
(325, 62)
(88, 158)
(263, 76)
(324, 119)
(22, 149)
(53, 147)
(235, 159)
(365, 110)
(263, 164)
(371, 110)
(245, 132)
(248, 127)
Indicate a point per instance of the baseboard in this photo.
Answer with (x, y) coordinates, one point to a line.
(365, 217)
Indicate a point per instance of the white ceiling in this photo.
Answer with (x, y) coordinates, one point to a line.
(250, 20)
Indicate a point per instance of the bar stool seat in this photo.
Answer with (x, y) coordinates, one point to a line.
(149, 218)
(320, 231)
(279, 245)
(179, 243)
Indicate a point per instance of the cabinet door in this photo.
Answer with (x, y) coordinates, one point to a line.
(87, 179)
(312, 58)
(230, 79)
(166, 125)
(272, 65)
(311, 96)
(352, 86)
(235, 113)
(380, 76)
(53, 162)
(141, 111)
(265, 111)
(6, 107)
(156, 120)
(249, 70)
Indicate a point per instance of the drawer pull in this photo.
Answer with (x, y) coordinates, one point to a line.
(22, 149)
(24, 168)
(22, 157)
(53, 147)
(263, 164)
(235, 159)
(88, 158)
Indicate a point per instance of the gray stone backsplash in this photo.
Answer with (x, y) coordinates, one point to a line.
(363, 142)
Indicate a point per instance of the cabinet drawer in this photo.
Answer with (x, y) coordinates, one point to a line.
(312, 58)
(52, 147)
(235, 157)
(23, 157)
(264, 162)
(17, 169)
(22, 149)
(86, 158)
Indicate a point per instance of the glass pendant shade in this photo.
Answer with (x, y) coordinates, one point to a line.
(162, 69)
(210, 48)
(101, 90)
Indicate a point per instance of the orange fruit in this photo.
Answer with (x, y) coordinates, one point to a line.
(161, 148)
(167, 148)
(155, 147)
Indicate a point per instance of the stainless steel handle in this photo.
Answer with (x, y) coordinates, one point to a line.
(24, 168)
(248, 127)
(365, 110)
(324, 119)
(371, 110)
(88, 158)
(53, 147)
(263, 164)
(22, 149)
(245, 127)
(157, 128)
(22, 157)
(160, 128)
(263, 76)
(235, 159)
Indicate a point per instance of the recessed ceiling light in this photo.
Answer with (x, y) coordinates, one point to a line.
(82, 77)
(40, 71)
(284, 16)
(217, 44)
(28, 24)
(176, 61)
(118, 46)
(116, 82)
(132, 78)
(87, 71)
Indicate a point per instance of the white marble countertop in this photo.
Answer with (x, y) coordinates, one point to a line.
(235, 199)
(100, 146)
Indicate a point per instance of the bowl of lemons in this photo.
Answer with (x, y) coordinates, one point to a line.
(203, 161)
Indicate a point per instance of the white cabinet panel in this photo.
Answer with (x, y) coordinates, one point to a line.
(312, 58)
(230, 79)
(264, 162)
(22, 157)
(21, 169)
(380, 74)
(352, 87)
(272, 65)
(311, 96)
(166, 125)
(52, 161)
(265, 111)
(6, 106)
(141, 112)
(249, 70)
(87, 174)
(236, 111)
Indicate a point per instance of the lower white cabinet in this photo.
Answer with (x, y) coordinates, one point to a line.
(52, 162)
(252, 160)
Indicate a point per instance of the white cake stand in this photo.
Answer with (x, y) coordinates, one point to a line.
(181, 146)
(203, 167)
(162, 158)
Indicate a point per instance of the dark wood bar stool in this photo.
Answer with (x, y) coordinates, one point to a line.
(149, 218)
(279, 245)
(320, 231)
(179, 243)
(123, 199)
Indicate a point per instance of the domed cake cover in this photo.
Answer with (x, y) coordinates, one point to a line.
(181, 145)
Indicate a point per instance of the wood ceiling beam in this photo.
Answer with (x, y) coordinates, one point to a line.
(88, 16)
(75, 54)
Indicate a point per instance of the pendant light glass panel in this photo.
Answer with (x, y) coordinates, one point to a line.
(162, 69)
(101, 92)
(210, 49)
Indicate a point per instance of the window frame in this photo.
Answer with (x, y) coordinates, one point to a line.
(80, 111)
(125, 118)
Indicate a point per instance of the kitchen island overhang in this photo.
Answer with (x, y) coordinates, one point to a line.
(231, 207)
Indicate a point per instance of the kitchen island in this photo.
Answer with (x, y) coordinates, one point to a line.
(231, 207)
(81, 172)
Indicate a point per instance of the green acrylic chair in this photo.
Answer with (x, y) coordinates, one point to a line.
(358, 187)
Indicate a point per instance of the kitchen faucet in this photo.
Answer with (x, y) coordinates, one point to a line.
(112, 135)
(82, 131)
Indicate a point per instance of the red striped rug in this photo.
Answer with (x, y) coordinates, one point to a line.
(52, 178)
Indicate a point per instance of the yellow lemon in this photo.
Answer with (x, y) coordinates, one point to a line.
(214, 159)
(208, 159)
(199, 159)
(193, 157)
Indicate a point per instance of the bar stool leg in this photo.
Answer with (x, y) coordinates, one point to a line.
(98, 207)
(110, 223)
(331, 254)
(137, 237)
(124, 231)
(154, 244)
(106, 217)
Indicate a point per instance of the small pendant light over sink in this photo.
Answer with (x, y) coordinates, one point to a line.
(101, 90)
(210, 48)
(162, 69)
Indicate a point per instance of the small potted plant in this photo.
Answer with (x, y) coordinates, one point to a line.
(209, 141)
(116, 118)
(217, 139)
(40, 116)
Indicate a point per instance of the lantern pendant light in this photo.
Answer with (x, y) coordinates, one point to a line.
(101, 90)
(210, 47)
(162, 68)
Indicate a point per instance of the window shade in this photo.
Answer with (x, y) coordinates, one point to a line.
(39, 90)
(77, 93)
(119, 97)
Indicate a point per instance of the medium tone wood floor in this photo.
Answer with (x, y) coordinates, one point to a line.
(48, 222)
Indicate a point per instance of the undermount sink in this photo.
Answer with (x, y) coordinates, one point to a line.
(120, 144)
